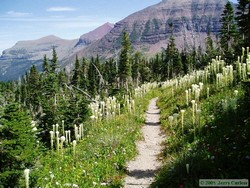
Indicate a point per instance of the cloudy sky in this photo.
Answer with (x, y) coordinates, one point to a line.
(68, 19)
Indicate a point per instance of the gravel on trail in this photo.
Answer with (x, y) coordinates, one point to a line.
(141, 170)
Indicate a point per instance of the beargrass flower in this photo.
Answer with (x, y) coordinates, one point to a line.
(69, 136)
(193, 108)
(187, 101)
(74, 147)
(236, 93)
(63, 127)
(182, 120)
(34, 129)
(171, 118)
(187, 168)
(57, 127)
(26, 175)
(54, 130)
(62, 140)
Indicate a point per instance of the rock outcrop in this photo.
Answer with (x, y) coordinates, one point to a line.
(150, 29)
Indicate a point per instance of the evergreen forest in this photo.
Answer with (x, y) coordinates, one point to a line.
(79, 129)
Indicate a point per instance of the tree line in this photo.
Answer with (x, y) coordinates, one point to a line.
(30, 106)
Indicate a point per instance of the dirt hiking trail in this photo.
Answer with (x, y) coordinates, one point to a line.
(141, 171)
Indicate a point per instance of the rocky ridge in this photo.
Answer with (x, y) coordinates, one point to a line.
(15, 61)
(150, 31)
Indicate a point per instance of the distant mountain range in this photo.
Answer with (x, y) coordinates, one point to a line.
(15, 61)
(149, 31)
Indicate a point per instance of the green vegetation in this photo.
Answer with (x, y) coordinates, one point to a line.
(79, 129)
(206, 118)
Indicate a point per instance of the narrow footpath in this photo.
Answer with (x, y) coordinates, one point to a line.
(141, 171)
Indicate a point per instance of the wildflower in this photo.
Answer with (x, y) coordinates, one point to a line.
(236, 93)
(54, 128)
(75, 186)
(33, 123)
(74, 147)
(187, 97)
(26, 175)
(52, 175)
(68, 184)
(62, 141)
(193, 107)
(63, 126)
(69, 138)
(182, 120)
(57, 127)
(187, 168)
(171, 118)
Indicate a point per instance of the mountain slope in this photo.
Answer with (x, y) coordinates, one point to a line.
(94, 35)
(15, 61)
(150, 31)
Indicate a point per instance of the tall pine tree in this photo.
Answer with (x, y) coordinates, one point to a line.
(124, 68)
(19, 148)
(243, 18)
(228, 31)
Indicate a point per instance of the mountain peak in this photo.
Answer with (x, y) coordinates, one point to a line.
(50, 37)
(96, 34)
(150, 32)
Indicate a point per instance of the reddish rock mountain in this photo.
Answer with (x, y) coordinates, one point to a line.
(95, 35)
(149, 28)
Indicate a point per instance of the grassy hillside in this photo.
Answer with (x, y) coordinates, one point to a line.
(206, 118)
(98, 158)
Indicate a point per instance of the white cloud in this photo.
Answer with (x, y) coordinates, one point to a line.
(60, 9)
(18, 14)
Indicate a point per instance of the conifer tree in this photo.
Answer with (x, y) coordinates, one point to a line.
(228, 30)
(210, 48)
(124, 68)
(76, 73)
(54, 61)
(109, 72)
(34, 87)
(172, 62)
(243, 18)
(19, 148)
(46, 66)
(23, 91)
(84, 74)
(156, 67)
(135, 67)
(62, 78)
(92, 85)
